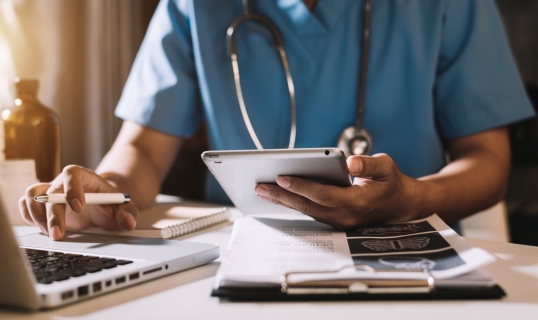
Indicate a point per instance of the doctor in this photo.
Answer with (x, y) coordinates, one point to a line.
(420, 82)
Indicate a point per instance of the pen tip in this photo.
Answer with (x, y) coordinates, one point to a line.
(41, 198)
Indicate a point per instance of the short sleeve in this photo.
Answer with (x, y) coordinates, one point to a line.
(162, 91)
(477, 84)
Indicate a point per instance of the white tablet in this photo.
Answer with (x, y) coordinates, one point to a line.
(239, 171)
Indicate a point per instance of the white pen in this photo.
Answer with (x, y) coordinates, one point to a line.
(91, 198)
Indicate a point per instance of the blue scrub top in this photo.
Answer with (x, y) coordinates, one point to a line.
(438, 69)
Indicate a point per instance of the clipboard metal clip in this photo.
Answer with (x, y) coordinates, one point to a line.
(343, 281)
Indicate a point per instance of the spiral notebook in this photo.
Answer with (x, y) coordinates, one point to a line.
(171, 220)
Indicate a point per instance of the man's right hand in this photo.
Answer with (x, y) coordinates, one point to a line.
(74, 181)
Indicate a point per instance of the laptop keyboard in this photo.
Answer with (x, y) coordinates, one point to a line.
(50, 266)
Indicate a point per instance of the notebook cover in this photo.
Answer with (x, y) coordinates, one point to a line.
(167, 221)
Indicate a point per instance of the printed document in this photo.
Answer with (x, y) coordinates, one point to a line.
(263, 250)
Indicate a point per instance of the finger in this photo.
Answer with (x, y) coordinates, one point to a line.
(114, 217)
(317, 218)
(56, 220)
(75, 180)
(23, 209)
(289, 199)
(56, 214)
(126, 216)
(37, 210)
(274, 201)
(326, 195)
(378, 166)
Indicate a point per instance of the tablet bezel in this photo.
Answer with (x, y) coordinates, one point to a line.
(238, 172)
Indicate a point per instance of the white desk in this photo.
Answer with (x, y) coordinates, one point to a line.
(186, 295)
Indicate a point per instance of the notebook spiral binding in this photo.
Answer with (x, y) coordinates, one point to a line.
(195, 224)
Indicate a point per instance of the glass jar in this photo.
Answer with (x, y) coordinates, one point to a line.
(32, 131)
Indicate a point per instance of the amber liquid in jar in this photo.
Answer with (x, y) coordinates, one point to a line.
(32, 131)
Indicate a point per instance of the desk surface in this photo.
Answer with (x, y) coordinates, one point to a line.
(186, 295)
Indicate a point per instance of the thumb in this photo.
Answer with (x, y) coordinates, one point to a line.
(377, 166)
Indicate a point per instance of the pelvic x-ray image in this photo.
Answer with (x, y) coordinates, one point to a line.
(387, 230)
(442, 260)
(413, 243)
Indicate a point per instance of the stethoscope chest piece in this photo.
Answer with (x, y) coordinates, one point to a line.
(354, 142)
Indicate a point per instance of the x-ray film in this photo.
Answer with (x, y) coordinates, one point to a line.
(441, 260)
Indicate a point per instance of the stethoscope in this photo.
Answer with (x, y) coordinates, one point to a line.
(354, 140)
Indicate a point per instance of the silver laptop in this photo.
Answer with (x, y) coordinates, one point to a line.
(36, 272)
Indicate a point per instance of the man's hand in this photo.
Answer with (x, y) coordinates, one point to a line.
(474, 179)
(380, 193)
(74, 181)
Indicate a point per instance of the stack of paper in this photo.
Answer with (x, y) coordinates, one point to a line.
(268, 252)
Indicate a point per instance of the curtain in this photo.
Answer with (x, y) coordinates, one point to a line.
(81, 52)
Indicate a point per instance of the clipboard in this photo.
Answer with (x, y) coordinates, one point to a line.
(274, 294)
(421, 287)
(416, 260)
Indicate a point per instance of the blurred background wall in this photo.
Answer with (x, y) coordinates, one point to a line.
(82, 51)
(521, 22)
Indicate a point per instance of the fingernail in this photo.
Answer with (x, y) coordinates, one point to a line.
(283, 182)
(265, 198)
(55, 233)
(76, 205)
(261, 191)
(355, 165)
(360, 166)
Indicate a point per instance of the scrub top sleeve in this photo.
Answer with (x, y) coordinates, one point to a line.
(477, 84)
(162, 90)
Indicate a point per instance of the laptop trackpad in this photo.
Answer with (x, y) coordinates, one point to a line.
(71, 241)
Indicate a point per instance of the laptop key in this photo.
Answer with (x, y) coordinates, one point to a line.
(45, 253)
(104, 260)
(84, 258)
(52, 269)
(44, 280)
(68, 260)
(89, 269)
(41, 273)
(49, 258)
(63, 264)
(74, 272)
(58, 277)
(120, 262)
(98, 265)
(36, 252)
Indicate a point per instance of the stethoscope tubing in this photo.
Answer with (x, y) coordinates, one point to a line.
(350, 134)
(230, 37)
(363, 75)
